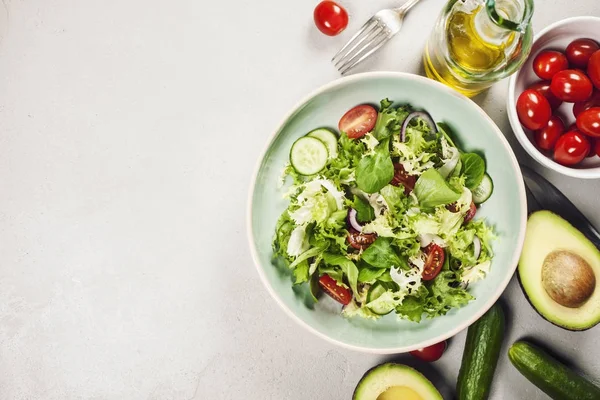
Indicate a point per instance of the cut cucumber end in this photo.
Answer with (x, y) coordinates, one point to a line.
(308, 155)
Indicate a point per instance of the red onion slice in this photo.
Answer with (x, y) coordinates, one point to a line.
(417, 114)
(353, 221)
(476, 247)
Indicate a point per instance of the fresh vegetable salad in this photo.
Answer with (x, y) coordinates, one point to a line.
(381, 215)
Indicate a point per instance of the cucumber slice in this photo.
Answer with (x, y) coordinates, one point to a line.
(308, 155)
(328, 138)
(484, 190)
(374, 292)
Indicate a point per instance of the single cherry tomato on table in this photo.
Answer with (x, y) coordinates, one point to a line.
(593, 101)
(571, 85)
(401, 177)
(543, 87)
(588, 122)
(548, 62)
(434, 261)
(358, 121)
(358, 240)
(338, 293)
(593, 69)
(430, 353)
(547, 136)
(330, 18)
(471, 213)
(533, 109)
(571, 148)
(579, 52)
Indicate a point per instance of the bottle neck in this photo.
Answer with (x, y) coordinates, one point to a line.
(513, 15)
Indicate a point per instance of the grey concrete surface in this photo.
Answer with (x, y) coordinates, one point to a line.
(128, 133)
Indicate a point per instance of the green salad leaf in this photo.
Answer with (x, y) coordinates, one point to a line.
(364, 211)
(376, 170)
(473, 168)
(432, 190)
(347, 266)
(381, 254)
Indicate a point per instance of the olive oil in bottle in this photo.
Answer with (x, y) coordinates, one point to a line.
(474, 45)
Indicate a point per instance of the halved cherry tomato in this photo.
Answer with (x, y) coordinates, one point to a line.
(360, 241)
(593, 69)
(533, 109)
(430, 353)
(330, 18)
(471, 213)
(593, 101)
(338, 293)
(588, 122)
(548, 62)
(579, 52)
(546, 137)
(358, 121)
(571, 148)
(434, 262)
(571, 85)
(401, 177)
(544, 88)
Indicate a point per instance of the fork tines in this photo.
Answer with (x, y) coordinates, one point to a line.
(365, 42)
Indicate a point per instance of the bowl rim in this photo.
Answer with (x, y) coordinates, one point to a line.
(586, 173)
(516, 252)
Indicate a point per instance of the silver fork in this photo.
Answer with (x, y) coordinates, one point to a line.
(371, 37)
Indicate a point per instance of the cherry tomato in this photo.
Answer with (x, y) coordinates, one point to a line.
(548, 62)
(338, 293)
(593, 101)
(597, 147)
(593, 69)
(544, 88)
(547, 136)
(360, 241)
(434, 262)
(358, 121)
(588, 122)
(579, 52)
(571, 85)
(330, 17)
(533, 109)
(571, 148)
(430, 353)
(402, 178)
(471, 213)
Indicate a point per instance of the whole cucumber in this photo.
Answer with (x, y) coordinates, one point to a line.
(552, 377)
(482, 349)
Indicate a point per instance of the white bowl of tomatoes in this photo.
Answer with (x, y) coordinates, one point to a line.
(554, 99)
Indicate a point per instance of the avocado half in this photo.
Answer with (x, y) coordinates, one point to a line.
(395, 381)
(559, 271)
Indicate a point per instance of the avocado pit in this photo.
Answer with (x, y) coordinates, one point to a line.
(568, 278)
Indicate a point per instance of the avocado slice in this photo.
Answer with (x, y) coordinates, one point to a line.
(392, 381)
(559, 271)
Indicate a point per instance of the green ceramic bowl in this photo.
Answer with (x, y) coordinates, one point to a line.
(506, 209)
